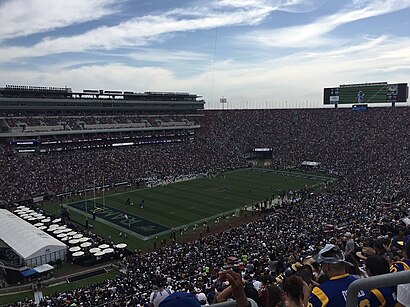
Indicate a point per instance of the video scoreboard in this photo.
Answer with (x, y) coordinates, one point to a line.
(380, 92)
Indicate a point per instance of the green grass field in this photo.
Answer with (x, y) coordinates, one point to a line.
(185, 203)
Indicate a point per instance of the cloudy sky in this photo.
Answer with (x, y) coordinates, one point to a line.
(253, 52)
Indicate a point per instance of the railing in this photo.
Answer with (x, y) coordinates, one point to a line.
(226, 304)
(384, 280)
(223, 304)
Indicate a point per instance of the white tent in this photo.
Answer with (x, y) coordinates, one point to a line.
(44, 268)
(34, 246)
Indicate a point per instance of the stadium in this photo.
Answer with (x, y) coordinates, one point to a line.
(106, 192)
(233, 153)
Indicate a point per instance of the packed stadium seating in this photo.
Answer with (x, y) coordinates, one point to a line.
(72, 123)
(368, 151)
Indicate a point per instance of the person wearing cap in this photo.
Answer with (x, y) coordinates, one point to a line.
(385, 296)
(180, 299)
(333, 292)
(404, 264)
(362, 255)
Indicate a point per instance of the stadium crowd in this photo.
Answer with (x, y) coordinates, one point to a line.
(368, 151)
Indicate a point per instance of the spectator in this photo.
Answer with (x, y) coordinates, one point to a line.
(331, 292)
(296, 291)
(385, 296)
(159, 294)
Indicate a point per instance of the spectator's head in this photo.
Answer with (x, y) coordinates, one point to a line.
(365, 252)
(159, 282)
(377, 265)
(296, 291)
(379, 247)
(202, 298)
(275, 297)
(179, 299)
(332, 260)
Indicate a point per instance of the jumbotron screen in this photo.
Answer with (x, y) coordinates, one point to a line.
(381, 92)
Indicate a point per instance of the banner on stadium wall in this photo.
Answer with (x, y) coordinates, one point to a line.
(38, 199)
(310, 163)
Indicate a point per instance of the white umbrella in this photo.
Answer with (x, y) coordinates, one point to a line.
(31, 219)
(26, 217)
(64, 239)
(22, 207)
(77, 236)
(58, 231)
(46, 220)
(99, 254)
(78, 254)
(66, 230)
(121, 245)
(42, 227)
(57, 221)
(84, 239)
(104, 246)
(72, 233)
(39, 224)
(86, 244)
(61, 235)
(73, 241)
(75, 249)
(21, 213)
(62, 227)
(108, 250)
(94, 250)
(17, 211)
(54, 226)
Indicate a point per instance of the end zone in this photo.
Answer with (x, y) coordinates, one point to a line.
(123, 221)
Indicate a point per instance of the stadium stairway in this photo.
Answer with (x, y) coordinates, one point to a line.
(38, 297)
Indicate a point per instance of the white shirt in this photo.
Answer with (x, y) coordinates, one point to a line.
(157, 297)
(403, 294)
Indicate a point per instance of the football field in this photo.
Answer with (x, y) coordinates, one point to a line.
(182, 204)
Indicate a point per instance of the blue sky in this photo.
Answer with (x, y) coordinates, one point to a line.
(256, 53)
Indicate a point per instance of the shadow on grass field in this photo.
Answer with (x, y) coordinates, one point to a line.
(15, 297)
(81, 283)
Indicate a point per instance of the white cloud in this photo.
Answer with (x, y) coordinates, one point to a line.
(313, 34)
(164, 56)
(141, 31)
(294, 78)
(24, 17)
